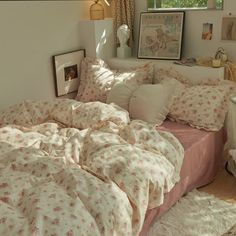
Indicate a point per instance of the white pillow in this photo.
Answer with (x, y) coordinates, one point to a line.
(151, 103)
(120, 94)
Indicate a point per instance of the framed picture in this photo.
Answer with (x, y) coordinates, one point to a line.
(67, 71)
(160, 35)
(228, 31)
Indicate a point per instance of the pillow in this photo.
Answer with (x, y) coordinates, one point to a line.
(202, 106)
(17, 114)
(164, 71)
(100, 79)
(197, 75)
(27, 113)
(151, 103)
(120, 94)
(84, 73)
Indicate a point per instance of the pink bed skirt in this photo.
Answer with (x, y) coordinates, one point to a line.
(203, 157)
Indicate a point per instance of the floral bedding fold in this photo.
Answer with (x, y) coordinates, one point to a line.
(70, 168)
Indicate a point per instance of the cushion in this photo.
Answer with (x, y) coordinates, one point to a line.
(99, 79)
(202, 106)
(120, 94)
(197, 75)
(27, 113)
(84, 73)
(151, 103)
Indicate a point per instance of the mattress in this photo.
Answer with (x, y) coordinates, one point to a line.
(203, 152)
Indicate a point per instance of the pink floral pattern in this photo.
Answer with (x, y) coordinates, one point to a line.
(185, 75)
(169, 72)
(97, 79)
(203, 106)
(59, 180)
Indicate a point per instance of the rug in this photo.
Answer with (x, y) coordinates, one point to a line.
(231, 231)
(197, 214)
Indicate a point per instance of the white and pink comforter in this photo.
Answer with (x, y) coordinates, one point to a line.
(70, 168)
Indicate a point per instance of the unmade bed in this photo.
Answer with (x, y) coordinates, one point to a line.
(99, 166)
(202, 159)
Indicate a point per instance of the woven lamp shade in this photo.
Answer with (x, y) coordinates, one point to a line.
(96, 11)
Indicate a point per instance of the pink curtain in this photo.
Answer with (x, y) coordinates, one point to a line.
(124, 14)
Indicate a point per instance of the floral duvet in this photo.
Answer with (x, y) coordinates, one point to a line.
(71, 168)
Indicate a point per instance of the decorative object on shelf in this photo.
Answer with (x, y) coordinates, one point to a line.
(221, 54)
(228, 31)
(220, 58)
(216, 62)
(67, 71)
(124, 13)
(211, 4)
(123, 34)
(160, 35)
(186, 62)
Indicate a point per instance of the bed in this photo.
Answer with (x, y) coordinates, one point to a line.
(203, 158)
(83, 167)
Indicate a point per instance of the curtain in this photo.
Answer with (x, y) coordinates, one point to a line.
(123, 10)
(230, 71)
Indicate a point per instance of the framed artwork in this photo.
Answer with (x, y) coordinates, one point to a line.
(228, 31)
(67, 71)
(160, 35)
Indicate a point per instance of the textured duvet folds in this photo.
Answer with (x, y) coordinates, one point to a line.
(71, 168)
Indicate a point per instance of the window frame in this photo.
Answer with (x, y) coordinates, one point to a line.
(184, 8)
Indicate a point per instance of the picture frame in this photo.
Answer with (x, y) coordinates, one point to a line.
(67, 71)
(207, 31)
(228, 29)
(161, 35)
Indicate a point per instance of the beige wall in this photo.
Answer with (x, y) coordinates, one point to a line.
(30, 33)
(194, 46)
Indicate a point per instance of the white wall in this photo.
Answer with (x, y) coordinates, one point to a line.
(30, 33)
(194, 46)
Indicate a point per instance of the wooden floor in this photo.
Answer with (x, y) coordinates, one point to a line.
(224, 187)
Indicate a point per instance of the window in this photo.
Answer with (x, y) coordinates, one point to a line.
(194, 4)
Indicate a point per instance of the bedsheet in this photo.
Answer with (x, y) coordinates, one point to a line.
(70, 168)
(203, 158)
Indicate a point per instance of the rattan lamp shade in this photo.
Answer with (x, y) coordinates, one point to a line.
(96, 11)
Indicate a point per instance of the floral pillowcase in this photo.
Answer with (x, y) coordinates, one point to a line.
(97, 79)
(186, 75)
(203, 106)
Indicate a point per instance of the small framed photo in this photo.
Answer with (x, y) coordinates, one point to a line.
(228, 31)
(160, 35)
(67, 71)
(207, 31)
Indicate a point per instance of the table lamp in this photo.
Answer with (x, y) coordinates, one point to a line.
(97, 10)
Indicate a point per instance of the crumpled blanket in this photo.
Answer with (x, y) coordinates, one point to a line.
(72, 168)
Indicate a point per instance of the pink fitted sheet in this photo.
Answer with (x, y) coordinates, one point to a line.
(203, 157)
